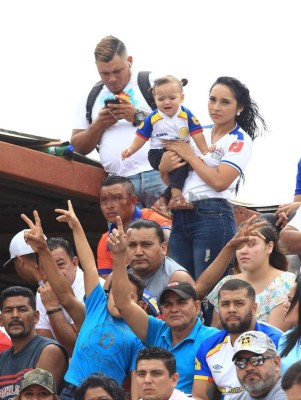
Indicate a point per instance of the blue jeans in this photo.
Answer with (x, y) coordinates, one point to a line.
(148, 187)
(198, 235)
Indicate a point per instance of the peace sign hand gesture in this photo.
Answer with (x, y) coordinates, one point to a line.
(34, 236)
(118, 240)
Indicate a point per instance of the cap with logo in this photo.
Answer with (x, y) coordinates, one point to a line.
(254, 341)
(183, 289)
(151, 301)
(39, 377)
(18, 247)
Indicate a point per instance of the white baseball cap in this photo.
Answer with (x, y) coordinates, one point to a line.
(254, 341)
(18, 247)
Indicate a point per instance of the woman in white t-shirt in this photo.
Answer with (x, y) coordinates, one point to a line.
(199, 234)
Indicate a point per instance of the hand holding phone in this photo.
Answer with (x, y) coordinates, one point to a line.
(111, 101)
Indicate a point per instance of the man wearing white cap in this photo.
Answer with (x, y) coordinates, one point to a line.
(24, 259)
(54, 322)
(258, 367)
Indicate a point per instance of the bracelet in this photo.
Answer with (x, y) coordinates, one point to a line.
(54, 310)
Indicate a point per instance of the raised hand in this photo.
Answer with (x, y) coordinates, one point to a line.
(34, 236)
(247, 233)
(48, 297)
(68, 216)
(118, 240)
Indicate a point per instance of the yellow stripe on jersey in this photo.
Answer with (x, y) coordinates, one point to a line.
(155, 118)
(217, 348)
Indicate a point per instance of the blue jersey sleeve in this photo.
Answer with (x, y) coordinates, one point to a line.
(146, 128)
(194, 125)
(201, 369)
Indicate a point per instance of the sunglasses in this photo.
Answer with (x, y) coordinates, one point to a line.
(255, 361)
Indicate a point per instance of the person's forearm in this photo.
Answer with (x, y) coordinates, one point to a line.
(56, 279)
(291, 241)
(83, 249)
(86, 140)
(137, 143)
(211, 176)
(63, 330)
(297, 198)
(86, 258)
(210, 277)
(120, 281)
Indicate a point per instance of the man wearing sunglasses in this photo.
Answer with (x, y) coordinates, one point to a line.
(258, 367)
(215, 372)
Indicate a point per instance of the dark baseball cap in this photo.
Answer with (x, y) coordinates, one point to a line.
(183, 289)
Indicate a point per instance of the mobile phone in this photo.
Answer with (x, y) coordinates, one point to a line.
(111, 101)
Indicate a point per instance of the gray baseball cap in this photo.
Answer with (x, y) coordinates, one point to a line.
(254, 341)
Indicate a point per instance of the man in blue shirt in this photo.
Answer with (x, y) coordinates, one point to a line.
(181, 332)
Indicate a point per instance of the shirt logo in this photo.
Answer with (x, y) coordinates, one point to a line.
(216, 367)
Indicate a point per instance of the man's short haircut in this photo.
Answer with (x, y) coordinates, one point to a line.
(292, 376)
(158, 353)
(108, 47)
(119, 180)
(100, 380)
(15, 291)
(137, 282)
(54, 243)
(237, 284)
(148, 224)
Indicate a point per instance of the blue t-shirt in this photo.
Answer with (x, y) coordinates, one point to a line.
(298, 179)
(293, 356)
(159, 334)
(105, 344)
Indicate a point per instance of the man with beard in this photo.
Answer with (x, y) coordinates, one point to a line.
(258, 367)
(215, 371)
(29, 350)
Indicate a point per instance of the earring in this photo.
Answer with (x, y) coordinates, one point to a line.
(238, 114)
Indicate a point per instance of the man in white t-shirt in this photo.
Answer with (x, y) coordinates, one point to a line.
(114, 125)
(156, 375)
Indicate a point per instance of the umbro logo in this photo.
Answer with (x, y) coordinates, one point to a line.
(217, 367)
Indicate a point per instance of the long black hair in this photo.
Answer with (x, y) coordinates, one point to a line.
(248, 117)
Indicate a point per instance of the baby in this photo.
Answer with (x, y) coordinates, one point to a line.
(170, 121)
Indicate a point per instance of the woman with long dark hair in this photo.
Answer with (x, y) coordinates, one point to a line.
(264, 265)
(199, 234)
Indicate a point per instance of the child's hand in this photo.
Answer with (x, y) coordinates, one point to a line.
(67, 216)
(126, 153)
(212, 148)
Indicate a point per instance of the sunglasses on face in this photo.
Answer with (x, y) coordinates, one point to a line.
(255, 361)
